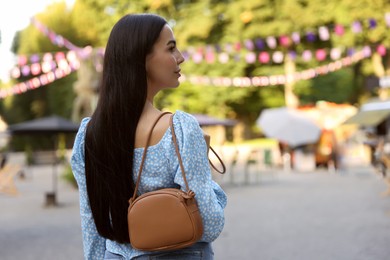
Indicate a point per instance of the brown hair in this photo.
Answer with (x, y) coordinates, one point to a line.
(109, 142)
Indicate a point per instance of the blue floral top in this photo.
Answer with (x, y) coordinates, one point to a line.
(161, 170)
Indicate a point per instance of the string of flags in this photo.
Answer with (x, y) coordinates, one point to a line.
(272, 80)
(58, 40)
(55, 38)
(258, 81)
(49, 62)
(37, 82)
(53, 66)
(322, 33)
(255, 50)
(60, 64)
(35, 64)
(277, 57)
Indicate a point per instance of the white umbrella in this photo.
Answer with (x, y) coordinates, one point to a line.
(288, 125)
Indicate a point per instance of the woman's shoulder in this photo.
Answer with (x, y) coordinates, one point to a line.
(185, 119)
(83, 126)
(78, 145)
(79, 140)
(84, 122)
(186, 126)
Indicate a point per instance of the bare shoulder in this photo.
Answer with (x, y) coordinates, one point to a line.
(144, 127)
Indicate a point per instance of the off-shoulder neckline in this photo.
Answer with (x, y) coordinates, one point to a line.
(157, 144)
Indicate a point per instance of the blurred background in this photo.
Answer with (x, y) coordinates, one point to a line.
(291, 92)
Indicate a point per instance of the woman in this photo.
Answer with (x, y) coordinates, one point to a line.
(141, 58)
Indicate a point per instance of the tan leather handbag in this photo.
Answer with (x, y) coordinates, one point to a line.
(165, 219)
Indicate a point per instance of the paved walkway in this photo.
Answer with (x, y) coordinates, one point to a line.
(308, 216)
(285, 216)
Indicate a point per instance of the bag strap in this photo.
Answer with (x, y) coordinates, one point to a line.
(144, 153)
(146, 148)
(220, 160)
(178, 153)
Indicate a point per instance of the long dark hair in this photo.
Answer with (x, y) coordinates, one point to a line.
(109, 141)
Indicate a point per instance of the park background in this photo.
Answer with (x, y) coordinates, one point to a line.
(242, 58)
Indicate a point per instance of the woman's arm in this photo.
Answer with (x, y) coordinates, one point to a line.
(94, 244)
(209, 195)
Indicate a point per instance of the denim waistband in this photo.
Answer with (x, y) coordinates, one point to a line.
(198, 251)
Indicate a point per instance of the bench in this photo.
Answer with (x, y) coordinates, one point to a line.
(44, 157)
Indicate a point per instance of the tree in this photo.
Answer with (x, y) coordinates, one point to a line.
(225, 26)
(206, 24)
(54, 98)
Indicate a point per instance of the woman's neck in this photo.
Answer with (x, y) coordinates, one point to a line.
(149, 109)
(149, 105)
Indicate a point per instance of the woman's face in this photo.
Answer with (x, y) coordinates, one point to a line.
(163, 64)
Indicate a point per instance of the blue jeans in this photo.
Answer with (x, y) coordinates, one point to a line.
(198, 251)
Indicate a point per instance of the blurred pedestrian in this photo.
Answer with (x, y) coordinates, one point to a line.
(382, 160)
(3, 159)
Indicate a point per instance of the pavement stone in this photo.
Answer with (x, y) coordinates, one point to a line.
(277, 215)
(305, 216)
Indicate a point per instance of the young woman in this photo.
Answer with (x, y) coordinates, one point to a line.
(141, 58)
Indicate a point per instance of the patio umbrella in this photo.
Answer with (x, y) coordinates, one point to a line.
(50, 126)
(46, 125)
(288, 125)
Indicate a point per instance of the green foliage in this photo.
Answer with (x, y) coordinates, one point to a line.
(199, 99)
(93, 20)
(337, 88)
(198, 23)
(61, 96)
(54, 98)
(68, 176)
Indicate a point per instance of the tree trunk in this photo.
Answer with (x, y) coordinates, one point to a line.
(290, 98)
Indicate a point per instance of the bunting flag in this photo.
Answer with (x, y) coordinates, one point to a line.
(277, 57)
(56, 39)
(60, 41)
(257, 81)
(262, 81)
(57, 65)
(39, 81)
(257, 48)
(54, 66)
(47, 56)
(42, 63)
(33, 64)
(272, 42)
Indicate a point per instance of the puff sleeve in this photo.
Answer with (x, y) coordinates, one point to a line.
(93, 243)
(193, 150)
